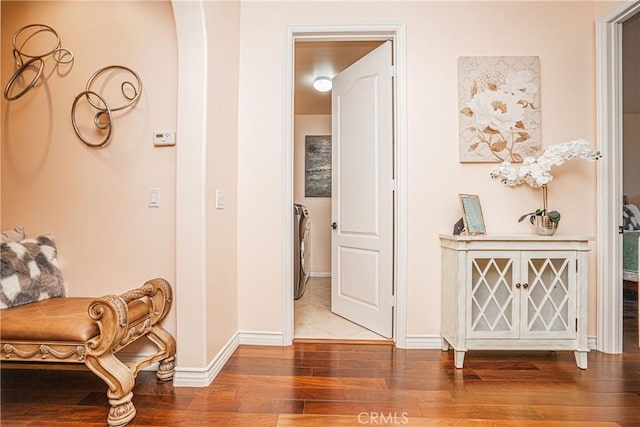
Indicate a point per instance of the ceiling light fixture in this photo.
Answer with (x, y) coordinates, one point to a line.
(322, 84)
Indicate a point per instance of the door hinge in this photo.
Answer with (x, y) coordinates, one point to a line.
(576, 324)
(392, 70)
(394, 185)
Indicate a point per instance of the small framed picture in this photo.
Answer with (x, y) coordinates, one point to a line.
(472, 214)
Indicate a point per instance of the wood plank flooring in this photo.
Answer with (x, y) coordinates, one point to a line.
(347, 384)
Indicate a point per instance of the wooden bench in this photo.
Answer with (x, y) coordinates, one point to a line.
(92, 331)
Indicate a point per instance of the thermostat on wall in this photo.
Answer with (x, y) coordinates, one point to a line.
(164, 137)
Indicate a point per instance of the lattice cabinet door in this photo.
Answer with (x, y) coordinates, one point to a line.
(493, 305)
(548, 295)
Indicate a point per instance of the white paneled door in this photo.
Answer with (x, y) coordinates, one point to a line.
(362, 192)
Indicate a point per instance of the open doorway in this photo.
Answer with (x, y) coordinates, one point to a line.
(313, 315)
(372, 35)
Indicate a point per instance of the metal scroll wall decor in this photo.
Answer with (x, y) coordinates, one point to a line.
(28, 60)
(103, 119)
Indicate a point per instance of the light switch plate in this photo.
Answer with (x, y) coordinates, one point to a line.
(154, 197)
(219, 199)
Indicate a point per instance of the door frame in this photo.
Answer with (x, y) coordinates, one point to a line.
(355, 32)
(609, 193)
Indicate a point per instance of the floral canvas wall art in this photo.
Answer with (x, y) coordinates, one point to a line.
(499, 108)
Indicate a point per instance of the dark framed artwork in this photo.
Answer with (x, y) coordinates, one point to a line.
(317, 166)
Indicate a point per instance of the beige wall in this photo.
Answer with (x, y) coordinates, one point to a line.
(604, 7)
(437, 34)
(94, 201)
(319, 207)
(223, 30)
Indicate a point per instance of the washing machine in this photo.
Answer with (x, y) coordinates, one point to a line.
(301, 249)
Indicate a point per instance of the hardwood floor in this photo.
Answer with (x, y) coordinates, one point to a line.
(346, 384)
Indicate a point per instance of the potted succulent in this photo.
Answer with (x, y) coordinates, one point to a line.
(554, 216)
(546, 222)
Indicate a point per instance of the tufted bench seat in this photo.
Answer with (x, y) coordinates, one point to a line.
(92, 331)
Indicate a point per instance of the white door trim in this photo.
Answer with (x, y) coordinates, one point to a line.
(396, 32)
(609, 134)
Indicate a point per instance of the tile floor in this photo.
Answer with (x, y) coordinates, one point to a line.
(314, 319)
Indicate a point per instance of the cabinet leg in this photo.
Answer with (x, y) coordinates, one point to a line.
(581, 359)
(444, 345)
(458, 358)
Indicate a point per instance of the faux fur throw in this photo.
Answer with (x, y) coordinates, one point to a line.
(29, 272)
(631, 217)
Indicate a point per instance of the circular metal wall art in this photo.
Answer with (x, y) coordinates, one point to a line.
(26, 59)
(103, 118)
(99, 119)
(19, 74)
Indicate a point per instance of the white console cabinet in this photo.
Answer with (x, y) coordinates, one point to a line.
(514, 293)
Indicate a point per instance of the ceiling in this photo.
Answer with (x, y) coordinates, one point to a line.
(326, 58)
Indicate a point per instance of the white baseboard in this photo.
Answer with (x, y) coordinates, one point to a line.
(429, 342)
(423, 342)
(320, 274)
(202, 377)
(261, 338)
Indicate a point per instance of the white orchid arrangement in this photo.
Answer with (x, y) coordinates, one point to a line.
(537, 172)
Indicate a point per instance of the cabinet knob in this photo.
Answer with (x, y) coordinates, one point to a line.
(525, 285)
(518, 285)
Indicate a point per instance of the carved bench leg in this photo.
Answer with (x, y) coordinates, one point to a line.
(167, 344)
(166, 369)
(120, 381)
(122, 411)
